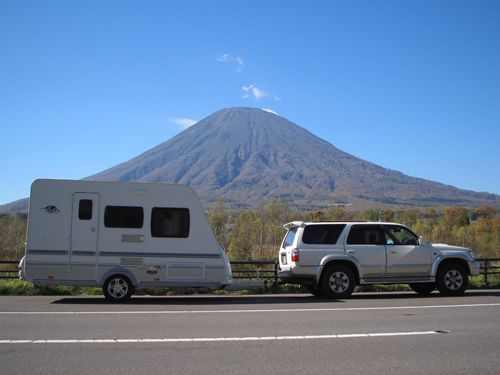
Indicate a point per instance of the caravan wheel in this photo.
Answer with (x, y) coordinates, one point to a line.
(117, 288)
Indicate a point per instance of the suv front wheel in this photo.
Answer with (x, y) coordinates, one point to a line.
(452, 279)
(337, 281)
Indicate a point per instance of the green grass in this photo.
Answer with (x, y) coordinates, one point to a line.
(382, 288)
(477, 282)
(90, 291)
(16, 287)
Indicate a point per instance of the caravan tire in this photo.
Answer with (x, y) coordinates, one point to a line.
(117, 288)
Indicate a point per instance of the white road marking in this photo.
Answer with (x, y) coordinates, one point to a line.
(175, 312)
(220, 339)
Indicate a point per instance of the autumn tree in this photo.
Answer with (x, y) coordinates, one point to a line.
(12, 236)
(219, 217)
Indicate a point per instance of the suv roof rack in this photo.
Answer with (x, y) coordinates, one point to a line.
(338, 221)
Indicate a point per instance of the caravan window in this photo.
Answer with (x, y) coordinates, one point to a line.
(170, 222)
(123, 217)
(85, 209)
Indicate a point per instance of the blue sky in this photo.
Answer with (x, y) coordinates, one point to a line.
(410, 85)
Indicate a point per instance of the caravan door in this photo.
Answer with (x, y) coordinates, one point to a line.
(84, 230)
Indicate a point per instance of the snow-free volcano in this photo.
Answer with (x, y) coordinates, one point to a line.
(247, 155)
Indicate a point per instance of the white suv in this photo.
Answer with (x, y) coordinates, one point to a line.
(331, 258)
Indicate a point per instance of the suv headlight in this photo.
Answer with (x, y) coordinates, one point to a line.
(472, 255)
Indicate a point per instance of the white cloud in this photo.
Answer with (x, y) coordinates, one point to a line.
(258, 93)
(183, 122)
(224, 58)
(236, 61)
(270, 111)
(255, 91)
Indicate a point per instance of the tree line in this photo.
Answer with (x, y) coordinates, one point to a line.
(12, 236)
(256, 234)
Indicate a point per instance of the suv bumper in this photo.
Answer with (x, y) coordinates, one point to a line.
(474, 267)
(301, 275)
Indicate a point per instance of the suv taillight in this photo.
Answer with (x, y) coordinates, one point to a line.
(295, 255)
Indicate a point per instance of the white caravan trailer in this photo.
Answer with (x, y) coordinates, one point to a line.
(121, 236)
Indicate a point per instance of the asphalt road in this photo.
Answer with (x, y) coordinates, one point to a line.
(371, 333)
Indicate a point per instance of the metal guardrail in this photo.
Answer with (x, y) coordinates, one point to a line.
(256, 269)
(10, 271)
(264, 269)
(489, 266)
(242, 269)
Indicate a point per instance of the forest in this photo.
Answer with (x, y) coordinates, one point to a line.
(256, 234)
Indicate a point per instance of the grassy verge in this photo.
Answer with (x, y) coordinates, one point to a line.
(478, 282)
(16, 287)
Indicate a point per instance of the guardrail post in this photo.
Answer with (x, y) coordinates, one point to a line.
(486, 268)
(275, 285)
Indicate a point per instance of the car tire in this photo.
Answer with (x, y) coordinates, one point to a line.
(452, 279)
(423, 288)
(315, 291)
(118, 288)
(337, 281)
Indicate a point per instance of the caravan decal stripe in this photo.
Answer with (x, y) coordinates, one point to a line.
(123, 254)
(48, 252)
(158, 255)
(83, 253)
(46, 263)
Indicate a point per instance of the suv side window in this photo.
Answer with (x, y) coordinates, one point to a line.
(397, 235)
(324, 234)
(365, 235)
(290, 236)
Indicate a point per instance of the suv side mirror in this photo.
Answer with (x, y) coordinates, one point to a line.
(421, 241)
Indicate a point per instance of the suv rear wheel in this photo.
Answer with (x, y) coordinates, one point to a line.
(423, 288)
(337, 281)
(315, 291)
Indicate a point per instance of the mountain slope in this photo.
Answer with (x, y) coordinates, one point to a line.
(246, 155)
